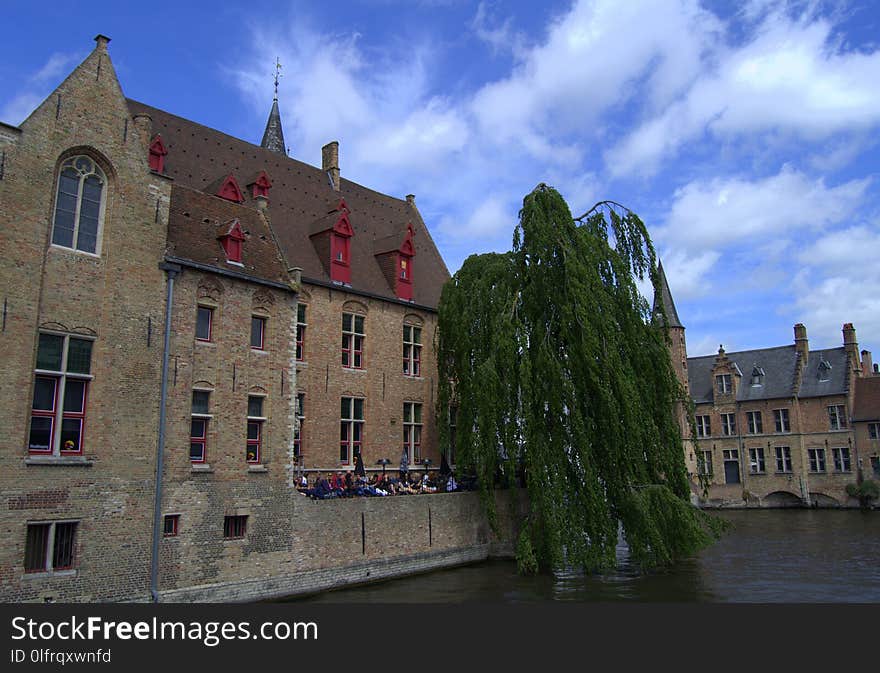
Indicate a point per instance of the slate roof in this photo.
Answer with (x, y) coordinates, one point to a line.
(779, 366)
(301, 194)
(867, 402)
(665, 296)
(195, 221)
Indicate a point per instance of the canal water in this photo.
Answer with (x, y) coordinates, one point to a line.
(768, 556)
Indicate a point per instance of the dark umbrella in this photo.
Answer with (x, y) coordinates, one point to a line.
(359, 466)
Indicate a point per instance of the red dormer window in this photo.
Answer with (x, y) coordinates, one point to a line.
(261, 186)
(157, 155)
(230, 190)
(340, 247)
(231, 241)
(405, 255)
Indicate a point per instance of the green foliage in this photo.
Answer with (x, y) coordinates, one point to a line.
(550, 356)
(866, 492)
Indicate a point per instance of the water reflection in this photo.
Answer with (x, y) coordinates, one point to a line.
(768, 556)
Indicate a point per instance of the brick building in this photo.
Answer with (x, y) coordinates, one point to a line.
(780, 426)
(300, 310)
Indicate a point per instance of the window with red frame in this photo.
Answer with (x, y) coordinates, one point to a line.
(300, 417)
(255, 420)
(258, 332)
(50, 546)
(301, 332)
(412, 350)
(353, 341)
(412, 431)
(198, 436)
(351, 428)
(61, 382)
(172, 524)
(204, 323)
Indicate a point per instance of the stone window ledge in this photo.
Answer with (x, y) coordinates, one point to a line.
(202, 468)
(257, 469)
(50, 573)
(58, 461)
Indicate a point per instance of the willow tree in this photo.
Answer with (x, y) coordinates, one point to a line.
(558, 376)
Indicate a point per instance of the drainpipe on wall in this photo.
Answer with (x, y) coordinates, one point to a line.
(172, 270)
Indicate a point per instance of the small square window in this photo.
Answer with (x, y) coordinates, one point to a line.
(172, 523)
(234, 527)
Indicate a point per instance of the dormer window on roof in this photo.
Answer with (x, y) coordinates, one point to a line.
(757, 376)
(261, 185)
(396, 261)
(230, 190)
(340, 246)
(231, 238)
(157, 155)
(824, 370)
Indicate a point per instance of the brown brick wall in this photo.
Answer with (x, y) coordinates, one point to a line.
(118, 297)
(382, 383)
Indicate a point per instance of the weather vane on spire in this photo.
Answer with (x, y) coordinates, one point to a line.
(277, 75)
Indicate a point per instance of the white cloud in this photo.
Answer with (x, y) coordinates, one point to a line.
(722, 212)
(839, 282)
(790, 77)
(37, 87)
(594, 57)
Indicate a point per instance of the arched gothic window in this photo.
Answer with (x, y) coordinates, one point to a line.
(79, 204)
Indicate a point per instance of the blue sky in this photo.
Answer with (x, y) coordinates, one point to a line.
(744, 134)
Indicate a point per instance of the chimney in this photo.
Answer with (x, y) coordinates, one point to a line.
(261, 201)
(330, 162)
(851, 346)
(411, 200)
(801, 344)
(867, 362)
(144, 125)
(101, 42)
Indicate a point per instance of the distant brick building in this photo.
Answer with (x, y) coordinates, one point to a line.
(302, 316)
(781, 426)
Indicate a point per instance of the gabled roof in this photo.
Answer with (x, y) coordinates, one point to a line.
(300, 196)
(867, 399)
(779, 366)
(195, 222)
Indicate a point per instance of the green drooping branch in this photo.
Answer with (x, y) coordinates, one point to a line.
(550, 357)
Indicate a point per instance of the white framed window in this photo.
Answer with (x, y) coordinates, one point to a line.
(728, 424)
(756, 461)
(755, 422)
(723, 383)
(300, 420)
(204, 323)
(783, 459)
(817, 460)
(255, 420)
(301, 326)
(837, 417)
(200, 417)
(353, 337)
(61, 384)
(258, 332)
(80, 201)
(704, 426)
(841, 459)
(873, 430)
(50, 546)
(704, 462)
(412, 431)
(412, 350)
(351, 429)
(780, 416)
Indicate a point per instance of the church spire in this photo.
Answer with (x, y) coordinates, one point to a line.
(665, 296)
(273, 136)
